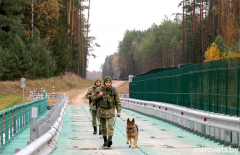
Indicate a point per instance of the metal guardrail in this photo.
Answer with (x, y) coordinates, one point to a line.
(16, 119)
(32, 96)
(48, 130)
(124, 95)
(218, 127)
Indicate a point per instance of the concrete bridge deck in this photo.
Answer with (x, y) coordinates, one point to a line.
(155, 137)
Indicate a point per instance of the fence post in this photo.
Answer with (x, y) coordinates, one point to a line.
(14, 122)
(195, 90)
(20, 111)
(11, 124)
(1, 128)
(238, 90)
(25, 115)
(217, 87)
(226, 106)
(45, 97)
(209, 97)
(6, 126)
(202, 92)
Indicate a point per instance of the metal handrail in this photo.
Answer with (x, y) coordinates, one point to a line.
(47, 143)
(16, 119)
(220, 121)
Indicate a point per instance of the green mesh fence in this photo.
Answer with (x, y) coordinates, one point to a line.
(211, 86)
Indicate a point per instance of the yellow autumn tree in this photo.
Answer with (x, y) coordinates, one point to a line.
(45, 15)
(230, 21)
(212, 53)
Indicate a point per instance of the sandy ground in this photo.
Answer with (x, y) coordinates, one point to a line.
(77, 96)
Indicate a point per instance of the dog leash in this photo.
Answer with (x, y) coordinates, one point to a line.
(115, 120)
(122, 120)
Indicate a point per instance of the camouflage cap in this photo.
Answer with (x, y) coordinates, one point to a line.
(107, 78)
(97, 79)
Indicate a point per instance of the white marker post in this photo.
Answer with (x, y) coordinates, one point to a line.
(41, 92)
(23, 85)
(53, 92)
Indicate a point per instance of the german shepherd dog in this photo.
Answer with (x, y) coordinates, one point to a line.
(132, 132)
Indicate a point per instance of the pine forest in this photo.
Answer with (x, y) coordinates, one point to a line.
(205, 30)
(44, 38)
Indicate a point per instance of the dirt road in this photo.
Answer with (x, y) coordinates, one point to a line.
(77, 96)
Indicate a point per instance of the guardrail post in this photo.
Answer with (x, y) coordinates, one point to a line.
(212, 133)
(235, 138)
(227, 138)
(222, 136)
(17, 150)
(217, 135)
(207, 131)
(199, 129)
(195, 127)
(203, 130)
(191, 125)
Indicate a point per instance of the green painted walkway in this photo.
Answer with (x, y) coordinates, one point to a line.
(20, 141)
(155, 137)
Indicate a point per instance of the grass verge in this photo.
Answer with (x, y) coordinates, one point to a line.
(11, 93)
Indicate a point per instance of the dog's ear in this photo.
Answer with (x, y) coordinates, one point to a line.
(133, 121)
(128, 121)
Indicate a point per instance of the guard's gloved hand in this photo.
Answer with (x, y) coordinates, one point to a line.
(118, 114)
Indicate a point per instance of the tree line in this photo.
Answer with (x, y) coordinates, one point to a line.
(94, 75)
(110, 68)
(205, 30)
(43, 38)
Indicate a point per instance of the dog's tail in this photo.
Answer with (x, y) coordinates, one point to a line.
(137, 127)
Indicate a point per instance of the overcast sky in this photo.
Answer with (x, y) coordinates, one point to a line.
(109, 20)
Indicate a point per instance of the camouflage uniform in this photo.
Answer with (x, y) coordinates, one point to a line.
(92, 104)
(107, 104)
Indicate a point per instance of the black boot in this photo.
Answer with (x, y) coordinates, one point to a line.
(109, 141)
(94, 130)
(100, 130)
(105, 141)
